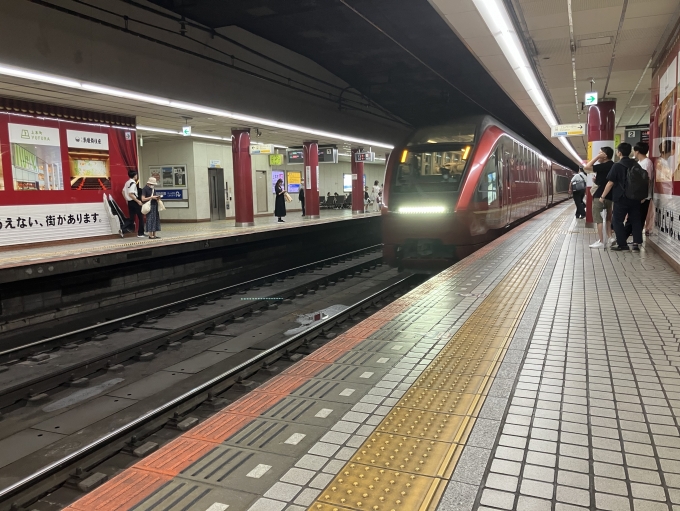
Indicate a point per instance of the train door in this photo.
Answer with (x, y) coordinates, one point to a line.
(508, 163)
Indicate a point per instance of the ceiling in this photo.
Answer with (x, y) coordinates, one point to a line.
(614, 43)
(399, 53)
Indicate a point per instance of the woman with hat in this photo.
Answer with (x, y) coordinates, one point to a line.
(153, 219)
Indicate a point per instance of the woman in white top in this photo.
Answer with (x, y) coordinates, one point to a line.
(374, 195)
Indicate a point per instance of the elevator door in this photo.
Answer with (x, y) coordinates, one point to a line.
(262, 189)
(216, 190)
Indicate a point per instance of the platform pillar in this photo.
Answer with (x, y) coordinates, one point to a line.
(601, 126)
(311, 158)
(243, 178)
(357, 184)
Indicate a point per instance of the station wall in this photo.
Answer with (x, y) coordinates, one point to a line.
(197, 156)
(665, 151)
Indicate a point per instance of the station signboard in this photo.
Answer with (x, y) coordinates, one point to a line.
(569, 130)
(365, 157)
(261, 149)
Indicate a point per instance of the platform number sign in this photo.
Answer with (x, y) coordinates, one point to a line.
(591, 98)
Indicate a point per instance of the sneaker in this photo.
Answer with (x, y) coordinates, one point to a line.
(636, 248)
(597, 244)
(616, 248)
(141, 235)
(612, 239)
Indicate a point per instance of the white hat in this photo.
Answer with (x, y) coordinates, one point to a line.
(151, 181)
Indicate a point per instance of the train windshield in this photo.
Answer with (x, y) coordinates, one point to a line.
(433, 168)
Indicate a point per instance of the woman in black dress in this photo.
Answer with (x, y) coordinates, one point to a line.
(153, 219)
(280, 203)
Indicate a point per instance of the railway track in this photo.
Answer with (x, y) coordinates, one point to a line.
(243, 372)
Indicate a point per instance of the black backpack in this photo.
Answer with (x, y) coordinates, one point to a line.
(637, 183)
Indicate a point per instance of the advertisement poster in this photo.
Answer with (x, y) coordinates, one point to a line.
(276, 175)
(36, 157)
(294, 181)
(347, 183)
(88, 155)
(172, 181)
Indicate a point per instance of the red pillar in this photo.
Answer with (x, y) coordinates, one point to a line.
(311, 157)
(357, 184)
(601, 126)
(243, 177)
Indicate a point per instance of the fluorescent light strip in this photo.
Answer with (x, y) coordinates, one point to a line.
(497, 20)
(147, 98)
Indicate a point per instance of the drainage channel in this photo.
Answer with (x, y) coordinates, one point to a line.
(65, 479)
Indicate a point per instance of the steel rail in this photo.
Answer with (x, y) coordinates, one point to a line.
(126, 429)
(133, 318)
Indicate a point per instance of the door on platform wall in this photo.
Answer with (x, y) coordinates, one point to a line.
(262, 190)
(218, 210)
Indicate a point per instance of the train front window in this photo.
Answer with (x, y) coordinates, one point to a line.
(432, 169)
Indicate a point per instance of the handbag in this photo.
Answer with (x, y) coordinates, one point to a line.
(161, 206)
(146, 208)
(287, 197)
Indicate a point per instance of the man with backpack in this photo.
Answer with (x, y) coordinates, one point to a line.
(630, 185)
(577, 187)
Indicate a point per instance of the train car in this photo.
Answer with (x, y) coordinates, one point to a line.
(451, 189)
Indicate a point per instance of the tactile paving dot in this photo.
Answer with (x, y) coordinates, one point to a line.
(363, 487)
(446, 380)
(395, 452)
(421, 424)
(440, 400)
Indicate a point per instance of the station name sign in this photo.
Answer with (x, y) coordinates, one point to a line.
(569, 130)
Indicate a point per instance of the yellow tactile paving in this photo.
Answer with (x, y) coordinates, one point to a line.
(406, 462)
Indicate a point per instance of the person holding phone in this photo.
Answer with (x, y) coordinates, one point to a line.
(153, 219)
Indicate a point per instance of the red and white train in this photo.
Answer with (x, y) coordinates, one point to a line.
(453, 188)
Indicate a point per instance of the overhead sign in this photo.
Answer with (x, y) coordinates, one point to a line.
(369, 157)
(591, 98)
(261, 149)
(186, 131)
(569, 130)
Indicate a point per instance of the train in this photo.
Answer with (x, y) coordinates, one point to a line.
(452, 188)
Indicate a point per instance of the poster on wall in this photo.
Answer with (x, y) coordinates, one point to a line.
(88, 155)
(172, 181)
(347, 183)
(276, 175)
(294, 181)
(36, 157)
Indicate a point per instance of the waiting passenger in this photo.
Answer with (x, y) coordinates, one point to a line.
(640, 151)
(131, 194)
(280, 202)
(367, 199)
(153, 218)
(601, 164)
(577, 187)
(301, 196)
(623, 206)
(376, 191)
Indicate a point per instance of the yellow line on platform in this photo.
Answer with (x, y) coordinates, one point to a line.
(407, 461)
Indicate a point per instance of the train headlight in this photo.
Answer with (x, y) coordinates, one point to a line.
(422, 210)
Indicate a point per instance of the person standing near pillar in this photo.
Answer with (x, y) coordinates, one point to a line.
(301, 196)
(577, 187)
(623, 206)
(601, 165)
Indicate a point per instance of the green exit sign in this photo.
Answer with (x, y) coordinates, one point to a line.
(591, 98)
(186, 131)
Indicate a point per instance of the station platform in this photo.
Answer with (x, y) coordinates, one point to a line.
(536, 374)
(171, 234)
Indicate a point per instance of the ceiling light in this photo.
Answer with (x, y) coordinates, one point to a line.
(595, 41)
(496, 17)
(158, 130)
(147, 98)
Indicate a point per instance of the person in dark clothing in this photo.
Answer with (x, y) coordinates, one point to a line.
(280, 203)
(616, 182)
(579, 179)
(301, 197)
(131, 194)
(153, 219)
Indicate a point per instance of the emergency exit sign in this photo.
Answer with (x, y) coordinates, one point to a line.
(186, 131)
(591, 98)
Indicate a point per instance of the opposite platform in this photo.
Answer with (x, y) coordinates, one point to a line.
(516, 379)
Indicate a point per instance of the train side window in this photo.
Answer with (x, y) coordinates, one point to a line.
(488, 183)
